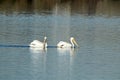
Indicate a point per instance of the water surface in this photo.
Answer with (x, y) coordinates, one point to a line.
(96, 28)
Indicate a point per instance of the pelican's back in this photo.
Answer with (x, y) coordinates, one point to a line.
(63, 44)
(36, 43)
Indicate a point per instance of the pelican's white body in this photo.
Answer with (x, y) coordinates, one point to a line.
(39, 44)
(63, 44)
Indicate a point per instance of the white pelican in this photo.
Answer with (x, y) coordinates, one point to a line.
(38, 44)
(63, 44)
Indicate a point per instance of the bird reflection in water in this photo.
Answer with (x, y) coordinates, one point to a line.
(66, 51)
(38, 50)
(38, 63)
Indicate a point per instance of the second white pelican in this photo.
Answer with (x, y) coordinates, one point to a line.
(63, 44)
(38, 44)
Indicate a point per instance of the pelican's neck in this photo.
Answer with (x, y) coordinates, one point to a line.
(72, 43)
(44, 42)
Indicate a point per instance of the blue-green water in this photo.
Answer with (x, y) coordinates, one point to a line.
(97, 58)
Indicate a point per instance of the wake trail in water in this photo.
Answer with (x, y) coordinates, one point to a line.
(13, 45)
(23, 46)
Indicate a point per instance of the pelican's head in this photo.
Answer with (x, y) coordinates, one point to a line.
(72, 39)
(45, 39)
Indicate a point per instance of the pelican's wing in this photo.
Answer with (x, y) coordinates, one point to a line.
(63, 44)
(60, 43)
(36, 43)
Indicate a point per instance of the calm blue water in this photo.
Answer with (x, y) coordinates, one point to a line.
(97, 58)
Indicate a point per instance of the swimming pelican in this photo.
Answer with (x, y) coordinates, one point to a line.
(38, 44)
(63, 44)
